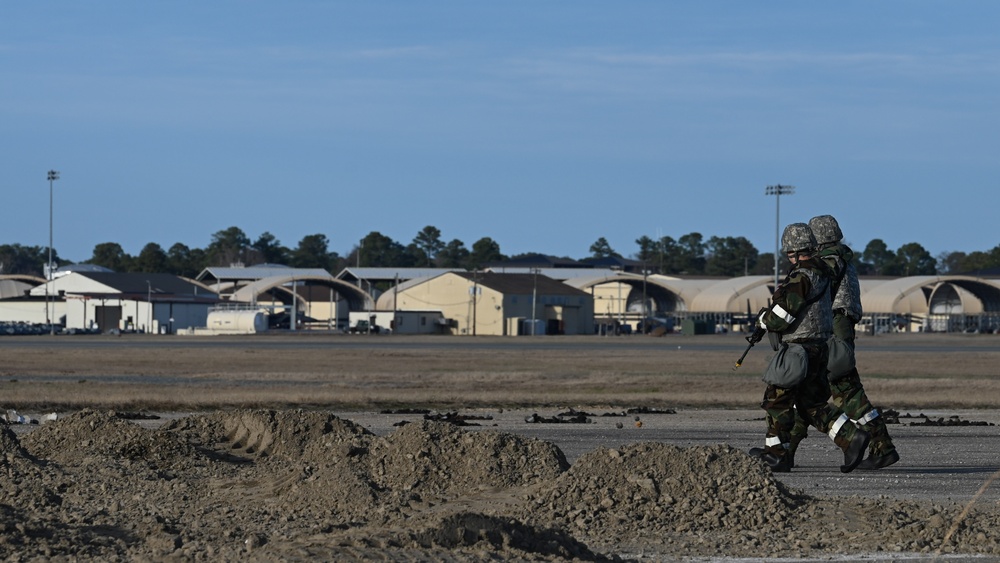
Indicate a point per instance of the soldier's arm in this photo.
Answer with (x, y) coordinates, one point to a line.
(786, 303)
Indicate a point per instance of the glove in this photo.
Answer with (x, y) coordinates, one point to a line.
(760, 317)
(757, 334)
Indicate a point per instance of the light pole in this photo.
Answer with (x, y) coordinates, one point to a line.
(293, 320)
(621, 308)
(53, 176)
(534, 298)
(618, 271)
(777, 191)
(475, 294)
(645, 312)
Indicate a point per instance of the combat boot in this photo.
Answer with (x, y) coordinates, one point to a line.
(778, 464)
(874, 461)
(758, 453)
(882, 453)
(854, 453)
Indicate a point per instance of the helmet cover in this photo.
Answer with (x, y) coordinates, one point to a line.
(825, 229)
(798, 237)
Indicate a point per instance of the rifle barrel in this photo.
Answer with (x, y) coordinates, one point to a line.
(739, 362)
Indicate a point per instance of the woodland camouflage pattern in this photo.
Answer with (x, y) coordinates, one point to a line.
(847, 392)
(809, 322)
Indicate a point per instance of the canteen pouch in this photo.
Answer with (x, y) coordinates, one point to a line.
(842, 360)
(788, 366)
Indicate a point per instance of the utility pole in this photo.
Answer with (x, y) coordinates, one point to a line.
(53, 176)
(777, 191)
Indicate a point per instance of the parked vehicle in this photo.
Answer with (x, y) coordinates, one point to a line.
(364, 327)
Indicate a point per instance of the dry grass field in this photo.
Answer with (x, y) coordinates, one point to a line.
(367, 372)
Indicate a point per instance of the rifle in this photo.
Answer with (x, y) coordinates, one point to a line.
(755, 337)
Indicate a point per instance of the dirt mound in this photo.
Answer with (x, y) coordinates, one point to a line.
(437, 458)
(340, 476)
(289, 435)
(27, 490)
(705, 501)
(655, 489)
(470, 537)
(296, 485)
(15, 461)
(650, 482)
(88, 435)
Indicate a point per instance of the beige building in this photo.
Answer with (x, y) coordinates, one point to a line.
(913, 303)
(486, 303)
(108, 301)
(511, 302)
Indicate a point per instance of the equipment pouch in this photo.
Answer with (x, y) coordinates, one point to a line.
(788, 366)
(842, 360)
(774, 339)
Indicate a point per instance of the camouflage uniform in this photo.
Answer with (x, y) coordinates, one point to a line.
(801, 312)
(847, 392)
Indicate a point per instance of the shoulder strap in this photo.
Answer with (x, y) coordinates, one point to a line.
(840, 277)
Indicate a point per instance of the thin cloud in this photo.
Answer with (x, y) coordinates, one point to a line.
(950, 63)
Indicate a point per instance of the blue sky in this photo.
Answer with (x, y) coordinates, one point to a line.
(541, 124)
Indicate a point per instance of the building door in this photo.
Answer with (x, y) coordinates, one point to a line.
(107, 317)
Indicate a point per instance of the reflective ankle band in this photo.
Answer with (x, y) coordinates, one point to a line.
(872, 415)
(772, 441)
(837, 426)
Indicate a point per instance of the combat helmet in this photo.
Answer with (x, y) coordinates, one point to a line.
(825, 229)
(798, 237)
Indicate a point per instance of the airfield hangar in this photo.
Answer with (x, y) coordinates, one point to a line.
(506, 299)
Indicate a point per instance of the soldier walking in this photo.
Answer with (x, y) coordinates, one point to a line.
(846, 389)
(798, 323)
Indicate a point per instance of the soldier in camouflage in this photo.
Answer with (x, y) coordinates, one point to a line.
(801, 314)
(847, 392)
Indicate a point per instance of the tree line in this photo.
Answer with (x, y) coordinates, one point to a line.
(690, 254)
